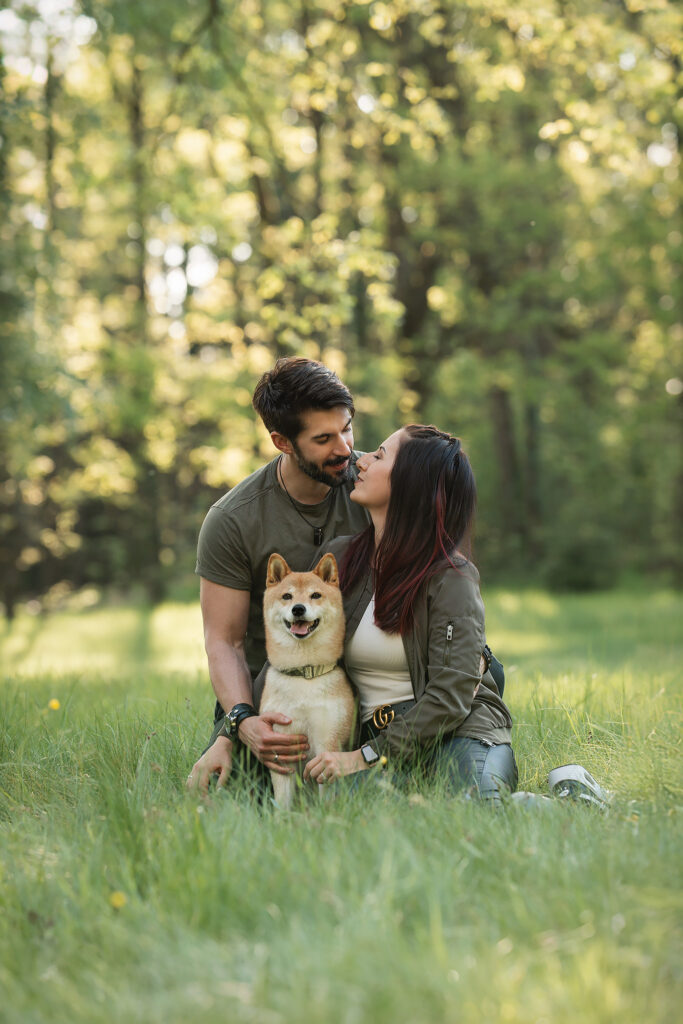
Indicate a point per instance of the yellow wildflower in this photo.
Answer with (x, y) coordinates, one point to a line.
(54, 704)
(118, 899)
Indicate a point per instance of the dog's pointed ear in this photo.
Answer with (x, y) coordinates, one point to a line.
(327, 570)
(277, 570)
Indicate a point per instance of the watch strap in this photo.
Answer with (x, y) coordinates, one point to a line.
(236, 716)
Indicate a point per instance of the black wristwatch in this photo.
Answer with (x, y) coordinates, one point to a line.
(234, 717)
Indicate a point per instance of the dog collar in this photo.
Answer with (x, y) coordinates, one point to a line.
(309, 671)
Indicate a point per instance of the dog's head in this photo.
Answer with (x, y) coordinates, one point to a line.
(301, 604)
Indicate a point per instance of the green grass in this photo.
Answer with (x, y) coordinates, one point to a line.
(379, 907)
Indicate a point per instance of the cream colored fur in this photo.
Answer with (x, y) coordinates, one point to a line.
(322, 707)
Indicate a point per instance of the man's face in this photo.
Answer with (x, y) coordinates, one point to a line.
(323, 447)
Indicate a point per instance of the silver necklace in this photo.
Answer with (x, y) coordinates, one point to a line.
(318, 531)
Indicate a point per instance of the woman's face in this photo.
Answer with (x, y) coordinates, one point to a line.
(373, 486)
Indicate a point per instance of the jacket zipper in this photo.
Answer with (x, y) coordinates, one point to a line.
(449, 640)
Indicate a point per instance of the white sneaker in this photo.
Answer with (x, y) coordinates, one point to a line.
(572, 782)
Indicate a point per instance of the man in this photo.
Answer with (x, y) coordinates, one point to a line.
(294, 505)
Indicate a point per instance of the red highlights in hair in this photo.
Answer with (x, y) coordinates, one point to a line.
(433, 496)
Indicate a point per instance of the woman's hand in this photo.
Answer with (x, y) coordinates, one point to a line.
(334, 764)
(217, 760)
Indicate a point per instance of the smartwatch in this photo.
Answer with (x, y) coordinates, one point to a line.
(369, 754)
(236, 716)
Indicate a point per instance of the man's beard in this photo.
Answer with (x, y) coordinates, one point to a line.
(318, 473)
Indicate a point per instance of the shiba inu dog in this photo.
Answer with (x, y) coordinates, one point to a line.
(304, 624)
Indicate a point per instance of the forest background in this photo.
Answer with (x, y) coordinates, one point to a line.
(468, 209)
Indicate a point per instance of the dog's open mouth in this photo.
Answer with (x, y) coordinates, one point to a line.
(302, 629)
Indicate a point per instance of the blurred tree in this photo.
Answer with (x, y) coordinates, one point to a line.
(466, 209)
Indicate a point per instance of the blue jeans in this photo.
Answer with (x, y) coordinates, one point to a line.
(484, 770)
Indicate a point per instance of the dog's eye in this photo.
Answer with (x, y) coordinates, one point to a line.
(286, 597)
(314, 597)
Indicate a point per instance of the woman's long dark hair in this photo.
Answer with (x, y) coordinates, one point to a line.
(429, 519)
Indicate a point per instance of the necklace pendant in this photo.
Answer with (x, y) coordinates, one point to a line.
(317, 536)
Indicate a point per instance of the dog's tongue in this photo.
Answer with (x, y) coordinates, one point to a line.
(299, 628)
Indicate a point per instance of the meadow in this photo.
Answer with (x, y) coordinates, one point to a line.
(124, 898)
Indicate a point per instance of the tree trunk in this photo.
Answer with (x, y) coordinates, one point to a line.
(148, 488)
(50, 142)
(532, 490)
(678, 498)
(508, 461)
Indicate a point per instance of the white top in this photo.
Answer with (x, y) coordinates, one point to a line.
(376, 663)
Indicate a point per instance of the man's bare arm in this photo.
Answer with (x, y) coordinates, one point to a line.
(225, 613)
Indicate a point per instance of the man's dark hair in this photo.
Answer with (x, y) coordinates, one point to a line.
(294, 386)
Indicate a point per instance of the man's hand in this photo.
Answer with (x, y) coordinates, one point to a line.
(217, 760)
(279, 751)
(334, 764)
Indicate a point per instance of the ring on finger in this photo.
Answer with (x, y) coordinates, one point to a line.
(276, 757)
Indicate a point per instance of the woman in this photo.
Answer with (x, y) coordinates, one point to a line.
(415, 643)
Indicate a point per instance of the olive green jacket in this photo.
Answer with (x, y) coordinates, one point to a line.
(443, 650)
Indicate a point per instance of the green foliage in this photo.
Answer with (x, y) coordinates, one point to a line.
(467, 209)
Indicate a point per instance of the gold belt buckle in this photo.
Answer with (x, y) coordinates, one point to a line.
(382, 716)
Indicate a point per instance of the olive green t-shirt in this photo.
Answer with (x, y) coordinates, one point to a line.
(253, 520)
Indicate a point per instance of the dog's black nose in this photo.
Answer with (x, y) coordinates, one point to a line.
(298, 610)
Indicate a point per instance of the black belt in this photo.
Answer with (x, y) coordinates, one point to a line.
(383, 716)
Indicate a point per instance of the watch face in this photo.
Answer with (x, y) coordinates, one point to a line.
(369, 754)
